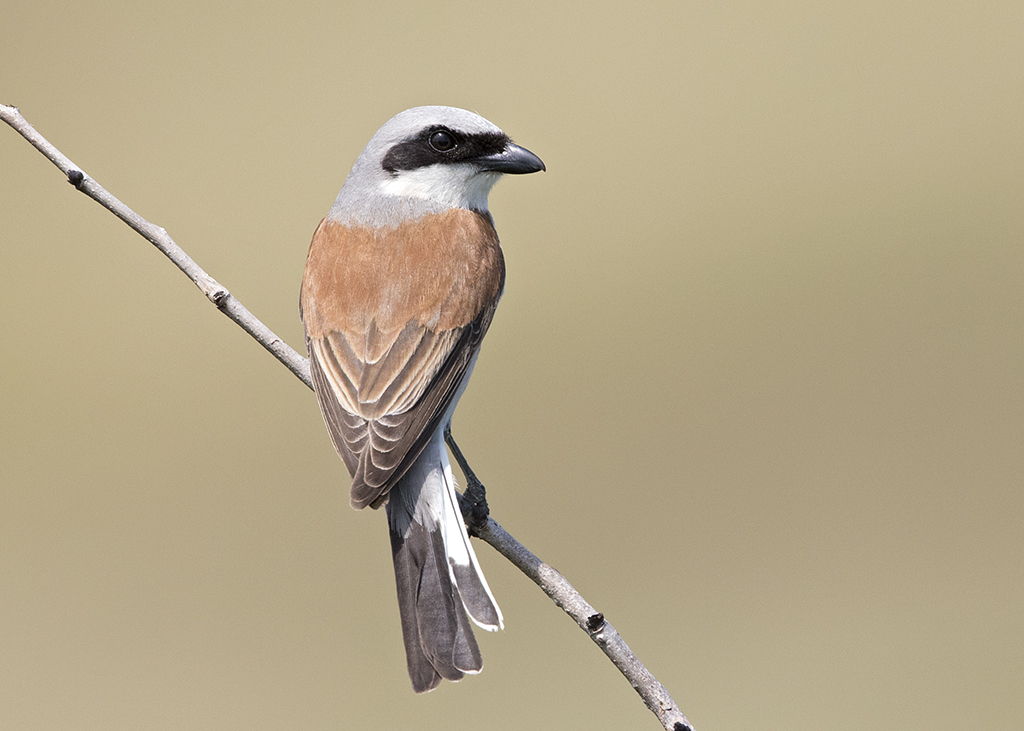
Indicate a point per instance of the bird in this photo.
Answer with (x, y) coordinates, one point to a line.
(400, 285)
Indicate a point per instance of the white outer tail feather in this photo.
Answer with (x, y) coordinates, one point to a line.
(456, 540)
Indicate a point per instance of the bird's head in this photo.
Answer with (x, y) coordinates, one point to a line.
(427, 160)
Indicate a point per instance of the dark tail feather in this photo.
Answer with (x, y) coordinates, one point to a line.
(439, 640)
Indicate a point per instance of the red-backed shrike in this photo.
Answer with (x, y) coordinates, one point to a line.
(401, 283)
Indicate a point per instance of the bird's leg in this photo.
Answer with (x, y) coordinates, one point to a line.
(473, 500)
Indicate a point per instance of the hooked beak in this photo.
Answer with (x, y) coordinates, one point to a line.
(514, 160)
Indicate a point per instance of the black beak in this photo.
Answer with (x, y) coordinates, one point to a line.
(514, 160)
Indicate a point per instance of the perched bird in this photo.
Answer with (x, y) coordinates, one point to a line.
(401, 283)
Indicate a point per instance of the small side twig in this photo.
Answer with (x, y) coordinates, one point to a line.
(553, 583)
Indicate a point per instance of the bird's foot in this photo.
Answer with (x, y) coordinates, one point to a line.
(473, 500)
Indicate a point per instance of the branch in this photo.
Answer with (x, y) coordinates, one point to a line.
(562, 593)
(214, 291)
(553, 583)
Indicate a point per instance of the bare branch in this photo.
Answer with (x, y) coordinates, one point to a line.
(590, 621)
(553, 583)
(214, 291)
(475, 510)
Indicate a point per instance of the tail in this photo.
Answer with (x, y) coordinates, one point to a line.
(437, 574)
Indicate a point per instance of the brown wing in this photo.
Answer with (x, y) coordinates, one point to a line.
(379, 439)
(391, 327)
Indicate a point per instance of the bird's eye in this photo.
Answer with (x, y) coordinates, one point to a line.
(442, 141)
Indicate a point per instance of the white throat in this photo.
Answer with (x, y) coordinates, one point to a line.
(449, 186)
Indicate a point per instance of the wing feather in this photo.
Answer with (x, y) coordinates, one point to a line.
(379, 433)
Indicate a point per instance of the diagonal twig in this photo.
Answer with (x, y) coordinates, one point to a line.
(214, 291)
(562, 593)
(553, 583)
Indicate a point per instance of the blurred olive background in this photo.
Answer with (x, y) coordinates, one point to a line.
(756, 385)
